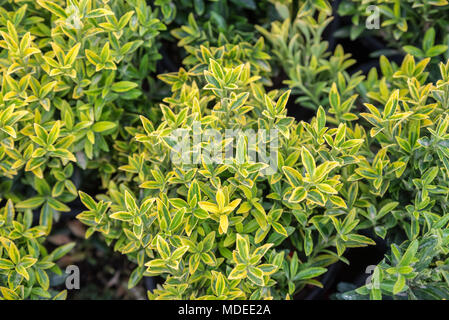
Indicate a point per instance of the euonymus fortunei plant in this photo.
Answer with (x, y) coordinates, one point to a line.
(25, 263)
(197, 224)
(171, 121)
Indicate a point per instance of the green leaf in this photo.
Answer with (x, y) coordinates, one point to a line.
(323, 5)
(9, 294)
(436, 50)
(61, 296)
(177, 220)
(87, 200)
(242, 246)
(414, 51)
(321, 118)
(61, 251)
(6, 264)
(308, 161)
(298, 195)
(387, 208)
(429, 39)
(279, 229)
(255, 275)
(409, 254)
(282, 102)
(239, 272)
(123, 86)
(42, 278)
(399, 285)
(53, 7)
(334, 97)
(259, 214)
(216, 69)
(293, 176)
(135, 277)
(122, 216)
(57, 205)
(102, 126)
(31, 203)
(338, 201)
(361, 239)
(162, 247)
(392, 103)
(309, 273)
(130, 202)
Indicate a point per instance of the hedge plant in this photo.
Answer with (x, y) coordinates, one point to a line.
(66, 80)
(188, 220)
(406, 172)
(299, 48)
(25, 263)
(68, 71)
(122, 105)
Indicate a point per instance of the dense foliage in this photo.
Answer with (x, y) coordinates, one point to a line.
(122, 105)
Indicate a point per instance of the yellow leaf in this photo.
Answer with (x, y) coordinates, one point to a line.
(224, 224)
(208, 206)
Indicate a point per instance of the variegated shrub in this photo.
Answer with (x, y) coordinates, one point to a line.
(224, 230)
(25, 264)
(68, 70)
(170, 121)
